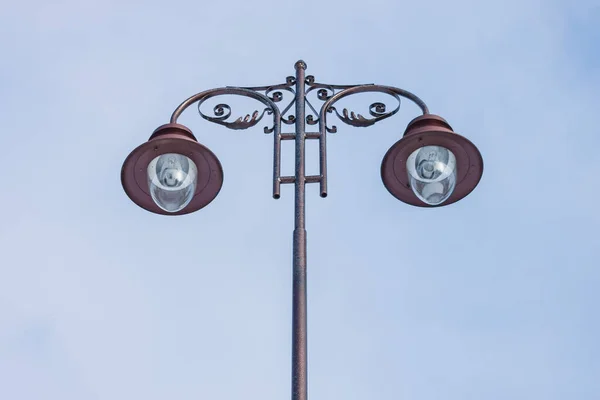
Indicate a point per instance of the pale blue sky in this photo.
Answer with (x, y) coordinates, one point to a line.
(494, 297)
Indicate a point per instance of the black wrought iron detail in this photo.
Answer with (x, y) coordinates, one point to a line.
(277, 97)
(276, 94)
(324, 93)
(291, 119)
(333, 128)
(222, 112)
(327, 93)
(376, 110)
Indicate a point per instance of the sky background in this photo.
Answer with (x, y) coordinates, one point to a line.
(494, 297)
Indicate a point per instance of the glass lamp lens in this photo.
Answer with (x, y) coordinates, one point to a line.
(432, 173)
(172, 181)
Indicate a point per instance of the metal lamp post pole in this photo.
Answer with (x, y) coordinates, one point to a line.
(299, 344)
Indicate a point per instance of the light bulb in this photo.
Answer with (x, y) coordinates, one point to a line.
(172, 181)
(432, 173)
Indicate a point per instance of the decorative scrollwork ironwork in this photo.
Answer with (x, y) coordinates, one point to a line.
(271, 97)
(324, 93)
(327, 93)
(276, 94)
(277, 97)
(377, 110)
(222, 112)
(291, 119)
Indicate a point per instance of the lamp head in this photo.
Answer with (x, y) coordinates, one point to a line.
(431, 165)
(172, 174)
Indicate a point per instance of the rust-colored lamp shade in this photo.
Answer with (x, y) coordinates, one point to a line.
(172, 174)
(431, 166)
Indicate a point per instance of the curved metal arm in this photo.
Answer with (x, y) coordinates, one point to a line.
(222, 112)
(377, 110)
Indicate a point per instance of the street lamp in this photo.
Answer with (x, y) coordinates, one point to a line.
(173, 174)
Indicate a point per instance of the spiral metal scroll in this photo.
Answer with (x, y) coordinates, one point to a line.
(275, 93)
(377, 110)
(324, 93)
(222, 112)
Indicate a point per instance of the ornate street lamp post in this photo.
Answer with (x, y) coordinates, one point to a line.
(173, 174)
